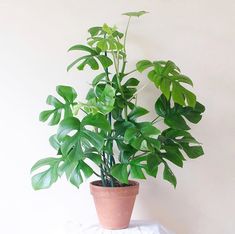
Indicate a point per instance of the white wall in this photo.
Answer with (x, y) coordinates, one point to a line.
(34, 37)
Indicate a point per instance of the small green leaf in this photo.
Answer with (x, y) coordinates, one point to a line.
(76, 177)
(119, 171)
(148, 130)
(132, 82)
(192, 151)
(86, 169)
(162, 106)
(44, 115)
(136, 172)
(105, 61)
(169, 175)
(83, 48)
(135, 13)
(68, 93)
(143, 65)
(153, 161)
(137, 112)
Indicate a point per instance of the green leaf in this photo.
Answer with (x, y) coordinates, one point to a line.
(94, 31)
(130, 133)
(54, 142)
(96, 158)
(86, 169)
(167, 77)
(101, 100)
(148, 130)
(119, 171)
(68, 167)
(193, 114)
(98, 78)
(66, 126)
(95, 139)
(162, 106)
(82, 138)
(83, 48)
(105, 61)
(192, 151)
(44, 115)
(176, 121)
(135, 13)
(131, 82)
(76, 177)
(44, 162)
(45, 178)
(174, 155)
(136, 172)
(137, 112)
(169, 175)
(90, 59)
(69, 95)
(153, 160)
(97, 120)
(143, 65)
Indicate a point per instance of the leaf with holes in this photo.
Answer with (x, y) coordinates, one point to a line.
(69, 95)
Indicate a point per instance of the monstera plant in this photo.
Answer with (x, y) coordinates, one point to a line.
(106, 135)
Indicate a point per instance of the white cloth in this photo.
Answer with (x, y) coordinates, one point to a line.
(135, 227)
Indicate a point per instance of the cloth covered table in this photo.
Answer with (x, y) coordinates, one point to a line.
(135, 227)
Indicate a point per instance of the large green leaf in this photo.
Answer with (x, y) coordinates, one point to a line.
(97, 120)
(173, 116)
(45, 178)
(91, 59)
(73, 146)
(183, 140)
(69, 95)
(167, 77)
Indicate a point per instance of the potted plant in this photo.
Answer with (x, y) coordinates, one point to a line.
(90, 132)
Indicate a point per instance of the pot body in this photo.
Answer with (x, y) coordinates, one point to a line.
(114, 205)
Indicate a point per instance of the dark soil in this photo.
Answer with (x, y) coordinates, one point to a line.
(116, 184)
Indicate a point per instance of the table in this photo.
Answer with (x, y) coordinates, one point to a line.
(135, 227)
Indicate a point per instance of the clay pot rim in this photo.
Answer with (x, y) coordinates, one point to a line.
(132, 184)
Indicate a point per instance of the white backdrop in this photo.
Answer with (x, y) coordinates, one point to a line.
(34, 37)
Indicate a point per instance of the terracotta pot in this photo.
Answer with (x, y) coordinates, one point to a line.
(114, 205)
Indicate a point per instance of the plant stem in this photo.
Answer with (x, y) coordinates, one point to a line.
(125, 35)
(130, 72)
(153, 121)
